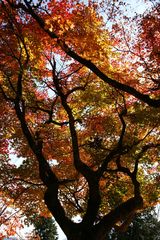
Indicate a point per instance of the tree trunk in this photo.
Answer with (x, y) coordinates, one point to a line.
(85, 235)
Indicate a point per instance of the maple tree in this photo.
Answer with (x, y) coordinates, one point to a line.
(79, 113)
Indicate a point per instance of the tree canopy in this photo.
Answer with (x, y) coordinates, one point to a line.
(79, 89)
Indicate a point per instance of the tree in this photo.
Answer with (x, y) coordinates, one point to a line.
(144, 226)
(45, 228)
(82, 116)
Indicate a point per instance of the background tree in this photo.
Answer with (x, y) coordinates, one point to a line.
(83, 118)
(144, 226)
(45, 228)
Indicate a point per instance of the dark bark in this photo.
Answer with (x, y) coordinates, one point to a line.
(86, 229)
(120, 213)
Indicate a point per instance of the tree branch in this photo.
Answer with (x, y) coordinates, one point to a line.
(94, 195)
(120, 213)
(115, 84)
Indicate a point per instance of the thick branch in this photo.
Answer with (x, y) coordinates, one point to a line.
(120, 213)
(117, 85)
(120, 86)
(46, 174)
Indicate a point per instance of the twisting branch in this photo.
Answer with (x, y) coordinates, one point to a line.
(77, 161)
(91, 177)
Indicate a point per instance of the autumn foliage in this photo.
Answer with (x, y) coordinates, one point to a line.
(80, 109)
